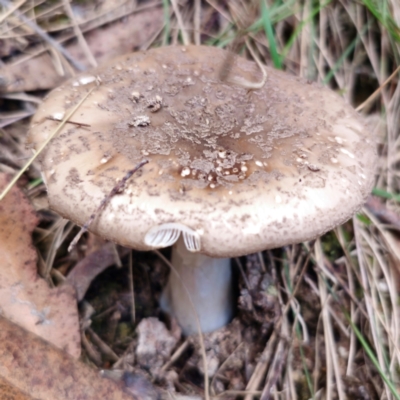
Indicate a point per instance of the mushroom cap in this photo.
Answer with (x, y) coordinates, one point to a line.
(244, 170)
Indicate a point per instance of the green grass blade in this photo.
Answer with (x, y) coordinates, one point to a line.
(269, 33)
(346, 53)
(35, 182)
(224, 38)
(384, 17)
(277, 13)
(300, 27)
(299, 335)
(373, 358)
(304, 363)
(371, 355)
(167, 26)
(386, 195)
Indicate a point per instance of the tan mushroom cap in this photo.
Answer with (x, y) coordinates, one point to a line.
(245, 169)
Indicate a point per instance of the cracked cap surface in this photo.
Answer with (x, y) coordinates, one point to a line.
(246, 170)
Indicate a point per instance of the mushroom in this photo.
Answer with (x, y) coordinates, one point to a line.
(231, 171)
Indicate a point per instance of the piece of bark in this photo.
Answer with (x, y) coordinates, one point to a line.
(36, 367)
(25, 298)
(120, 37)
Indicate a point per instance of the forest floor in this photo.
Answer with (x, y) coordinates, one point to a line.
(317, 320)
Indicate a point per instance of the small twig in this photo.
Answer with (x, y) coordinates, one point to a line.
(177, 353)
(104, 347)
(92, 353)
(79, 124)
(379, 90)
(116, 189)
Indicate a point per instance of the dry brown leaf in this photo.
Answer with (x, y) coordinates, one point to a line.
(10, 392)
(46, 373)
(120, 37)
(91, 266)
(25, 298)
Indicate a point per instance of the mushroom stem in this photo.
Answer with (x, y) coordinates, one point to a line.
(208, 281)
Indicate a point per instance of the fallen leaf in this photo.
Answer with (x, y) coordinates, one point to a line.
(10, 392)
(91, 266)
(39, 73)
(36, 367)
(25, 298)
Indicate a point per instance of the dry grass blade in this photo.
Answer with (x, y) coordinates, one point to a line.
(45, 37)
(37, 69)
(332, 363)
(104, 348)
(347, 260)
(375, 94)
(11, 9)
(79, 35)
(277, 364)
(44, 144)
(383, 325)
(61, 232)
(175, 356)
(262, 366)
(197, 20)
(182, 28)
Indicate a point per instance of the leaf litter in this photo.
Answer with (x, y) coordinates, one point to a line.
(25, 298)
(294, 311)
(42, 70)
(36, 367)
